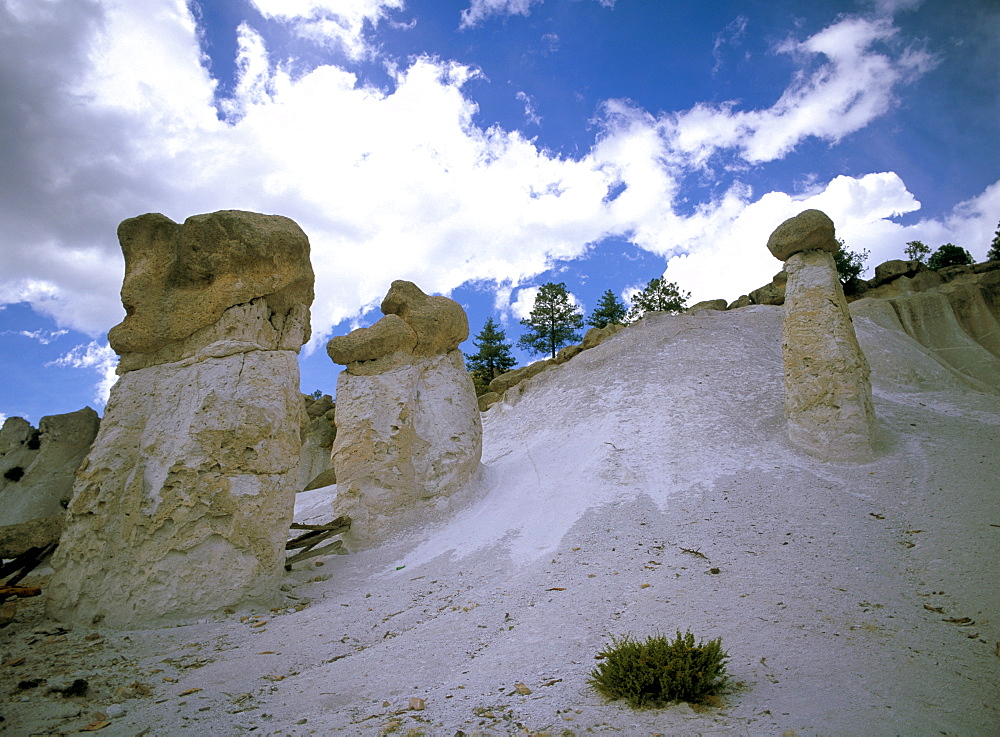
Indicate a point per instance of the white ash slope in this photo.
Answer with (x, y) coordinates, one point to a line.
(834, 589)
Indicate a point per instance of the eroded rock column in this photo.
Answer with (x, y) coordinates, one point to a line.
(183, 505)
(409, 434)
(828, 400)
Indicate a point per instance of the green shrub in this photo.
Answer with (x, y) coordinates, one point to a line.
(949, 255)
(658, 671)
(849, 264)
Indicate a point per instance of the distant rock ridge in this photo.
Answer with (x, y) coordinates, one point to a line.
(953, 313)
(183, 504)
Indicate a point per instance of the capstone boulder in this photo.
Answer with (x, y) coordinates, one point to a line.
(181, 278)
(809, 230)
(415, 324)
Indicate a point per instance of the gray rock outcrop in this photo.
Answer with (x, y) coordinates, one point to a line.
(743, 301)
(487, 400)
(772, 293)
(828, 402)
(409, 434)
(19, 538)
(567, 353)
(506, 380)
(889, 270)
(957, 322)
(38, 467)
(718, 305)
(183, 505)
(595, 336)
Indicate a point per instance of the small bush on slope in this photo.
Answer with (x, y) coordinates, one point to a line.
(658, 671)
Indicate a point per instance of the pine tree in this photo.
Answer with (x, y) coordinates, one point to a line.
(994, 253)
(610, 310)
(553, 321)
(493, 357)
(657, 296)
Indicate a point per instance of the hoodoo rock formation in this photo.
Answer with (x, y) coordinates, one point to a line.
(183, 505)
(409, 433)
(828, 400)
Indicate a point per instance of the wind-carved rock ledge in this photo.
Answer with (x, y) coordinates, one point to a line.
(828, 397)
(409, 433)
(183, 505)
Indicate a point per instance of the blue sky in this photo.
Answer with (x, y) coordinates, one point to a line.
(479, 148)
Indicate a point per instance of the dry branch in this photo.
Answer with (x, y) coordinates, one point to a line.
(315, 535)
(333, 548)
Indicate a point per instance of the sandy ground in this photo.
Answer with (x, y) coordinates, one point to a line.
(853, 600)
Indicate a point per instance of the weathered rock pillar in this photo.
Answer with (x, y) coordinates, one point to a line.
(409, 434)
(828, 398)
(183, 505)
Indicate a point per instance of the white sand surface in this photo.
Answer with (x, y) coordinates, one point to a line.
(833, 596)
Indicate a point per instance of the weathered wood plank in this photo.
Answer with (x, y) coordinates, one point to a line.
(343, 521)
(334, 548)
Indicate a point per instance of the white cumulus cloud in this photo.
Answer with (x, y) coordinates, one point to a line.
(848, 75)
(98, 357)
(344, 24)
(400, 182)
(42, 336)
(480, 10)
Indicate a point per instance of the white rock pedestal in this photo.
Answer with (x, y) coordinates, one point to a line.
(407, 438)
(828, 402)
(183, 505)
(409, 433)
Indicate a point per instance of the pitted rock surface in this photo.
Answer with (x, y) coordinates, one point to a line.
(407, 440)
